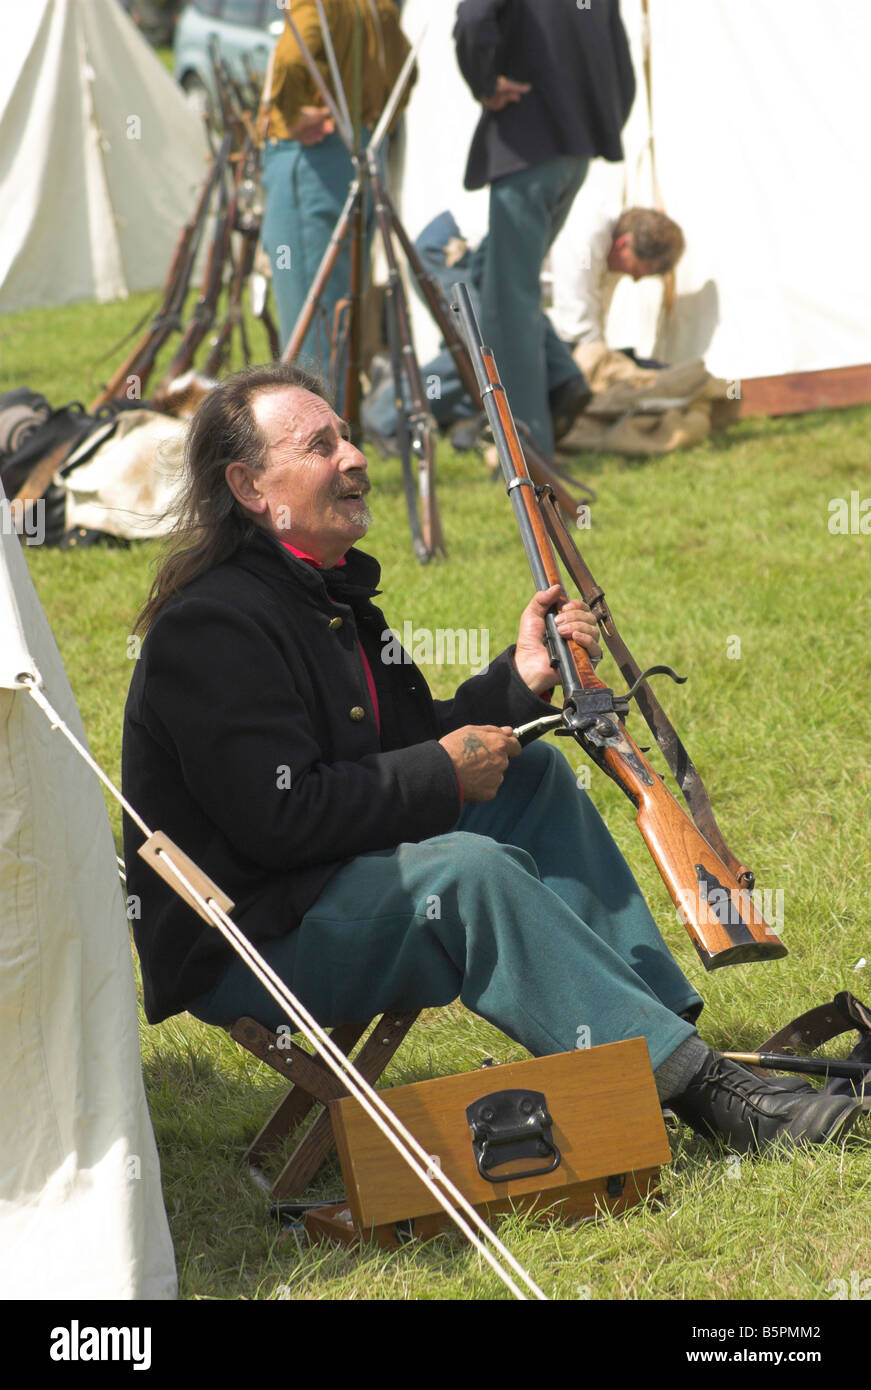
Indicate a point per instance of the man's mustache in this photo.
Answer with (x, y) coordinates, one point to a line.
(358, 489)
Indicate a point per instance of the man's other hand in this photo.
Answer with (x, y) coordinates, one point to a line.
(505, 91)
(314, 125)
(574, 622)
(480, 753)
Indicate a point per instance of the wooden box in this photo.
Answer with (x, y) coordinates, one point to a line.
(606, 1123)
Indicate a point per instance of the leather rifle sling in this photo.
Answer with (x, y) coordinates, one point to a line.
(820, 1025)
(678, 759)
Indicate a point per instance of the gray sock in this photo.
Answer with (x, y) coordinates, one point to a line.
(678, 1069)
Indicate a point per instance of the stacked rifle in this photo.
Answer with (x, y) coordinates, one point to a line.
(229, 212)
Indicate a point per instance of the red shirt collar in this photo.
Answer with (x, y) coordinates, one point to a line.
(309, 559)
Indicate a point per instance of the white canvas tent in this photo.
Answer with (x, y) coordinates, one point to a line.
(760, 120)
(81, 1210)
(100, 155)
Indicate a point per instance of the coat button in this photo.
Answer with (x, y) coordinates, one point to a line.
(334, 624)
(357, 713)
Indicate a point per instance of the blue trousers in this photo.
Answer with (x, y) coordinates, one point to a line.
(306, 187)
(446, 394)
(527, 912)
(527, 210)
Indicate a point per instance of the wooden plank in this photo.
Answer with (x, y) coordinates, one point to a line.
(580, 1202)
(290, 1060)
(795, 392)
(305, 1162)
(606, 1120)
(334, 1221)
(290, 1112)
(295, 1106)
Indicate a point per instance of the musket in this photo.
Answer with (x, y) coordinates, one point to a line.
(167, 320)
(220, 249)
(719, 914)
(234, 316)
(221, 244)
(255, 86)
(416, 430)
(204, 310)
(362, 163)
(354, 312)
(230, 104)
(247, 224)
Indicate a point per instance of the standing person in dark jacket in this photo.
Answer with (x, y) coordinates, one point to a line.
(556, 82)
(386, 851)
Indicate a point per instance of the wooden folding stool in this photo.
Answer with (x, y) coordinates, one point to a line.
(313, 1083)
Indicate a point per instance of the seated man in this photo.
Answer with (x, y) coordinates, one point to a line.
(385, 851)
(595, 248)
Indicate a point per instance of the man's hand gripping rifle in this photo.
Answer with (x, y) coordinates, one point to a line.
(709, 888)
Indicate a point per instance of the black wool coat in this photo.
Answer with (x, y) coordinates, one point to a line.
(250, 739)
(578, 64)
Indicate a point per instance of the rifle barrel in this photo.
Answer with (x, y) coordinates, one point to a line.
(807, 1066)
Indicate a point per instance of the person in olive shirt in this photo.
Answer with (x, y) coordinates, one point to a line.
(385, 850)
(306, 167)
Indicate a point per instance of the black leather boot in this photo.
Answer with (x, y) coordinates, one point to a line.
(749, 1112)
(468, 434)
(567, 401)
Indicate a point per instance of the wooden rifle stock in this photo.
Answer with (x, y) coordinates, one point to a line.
(719, 915)
(213, 279)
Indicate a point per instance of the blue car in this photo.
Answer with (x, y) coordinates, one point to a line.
(244, 30)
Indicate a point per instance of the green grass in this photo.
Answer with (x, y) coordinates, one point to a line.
(726, 541)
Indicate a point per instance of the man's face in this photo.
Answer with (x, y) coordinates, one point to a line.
(623, 260)
(312, 490)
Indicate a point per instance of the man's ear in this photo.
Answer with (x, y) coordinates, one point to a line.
(615, 258)
(243, 485)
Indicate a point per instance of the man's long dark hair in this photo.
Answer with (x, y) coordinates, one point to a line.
(211, 524)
